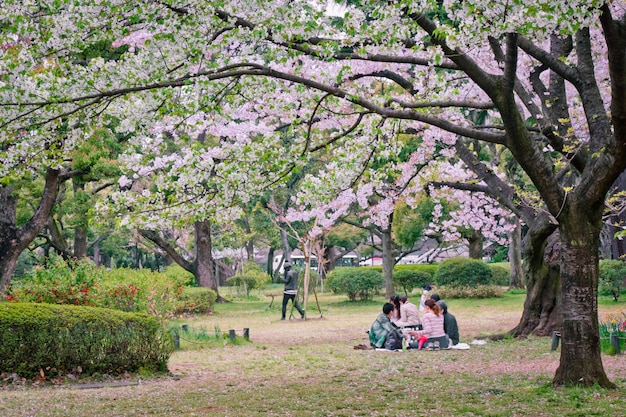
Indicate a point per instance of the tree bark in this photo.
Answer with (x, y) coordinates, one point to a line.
(204, 257)
(475, 241)
(581, 361)
(13, 239)
(542, 306)
(516, 279)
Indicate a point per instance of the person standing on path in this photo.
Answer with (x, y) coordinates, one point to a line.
(291, 289)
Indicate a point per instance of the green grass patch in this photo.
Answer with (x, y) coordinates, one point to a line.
(310, 368)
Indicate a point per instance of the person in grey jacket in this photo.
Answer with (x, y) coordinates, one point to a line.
(291, 289)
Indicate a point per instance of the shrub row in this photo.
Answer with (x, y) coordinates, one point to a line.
(461, 277)
(61, 339)
(83, 283)
(479, 291)
(356, 282)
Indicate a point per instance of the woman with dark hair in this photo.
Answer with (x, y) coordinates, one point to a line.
(432, 323)
(409, 314)
(396, 316)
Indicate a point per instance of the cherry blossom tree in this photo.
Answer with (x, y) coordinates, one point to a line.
(269, 80)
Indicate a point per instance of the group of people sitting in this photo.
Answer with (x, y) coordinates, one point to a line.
(400, 319)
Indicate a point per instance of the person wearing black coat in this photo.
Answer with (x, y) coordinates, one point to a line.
(291, 289)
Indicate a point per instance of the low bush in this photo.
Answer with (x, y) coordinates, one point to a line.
(251, 278)
(408, 279)
(59, 282)
(176, 273)
(463, 272)
(499, 275)
(612, 278)
(429, 269)
(61, 339)
(196, 300)
(363, 283)
(83, 283)
(479, 291)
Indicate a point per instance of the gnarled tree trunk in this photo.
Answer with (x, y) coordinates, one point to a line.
(13, 239)
(202, 267)
(542, 306)
(516, 279)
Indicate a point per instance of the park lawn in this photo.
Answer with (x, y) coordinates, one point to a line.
(310, 368)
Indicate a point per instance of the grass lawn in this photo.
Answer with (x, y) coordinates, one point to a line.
(310, 368)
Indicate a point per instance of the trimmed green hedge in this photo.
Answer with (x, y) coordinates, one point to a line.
(361, 282)
(59, 339)
(463, 272)
(479, 291)
(196, 300)
(500, 275)
(408, 279)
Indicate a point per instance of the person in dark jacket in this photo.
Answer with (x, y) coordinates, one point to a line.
(449, 323)
(291, 289)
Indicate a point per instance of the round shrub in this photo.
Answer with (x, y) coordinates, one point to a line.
(360, 282)
(463, 272)
(196, 300)
(612, 277)
(58, 339)
(500, 275)
(252, 277)
(408, 279)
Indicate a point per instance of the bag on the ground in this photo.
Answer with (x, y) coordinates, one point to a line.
(393, 341)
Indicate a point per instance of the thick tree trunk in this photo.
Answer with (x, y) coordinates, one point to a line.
(204, 258)
(14, 240)
(516, 279)
(388, 261)
(581, 361)
(541, 313)
(476, 245)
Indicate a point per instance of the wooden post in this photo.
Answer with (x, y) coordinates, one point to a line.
(176, 339)
(232, 335)
(615, 342)
(556, 336)
(246, 333)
